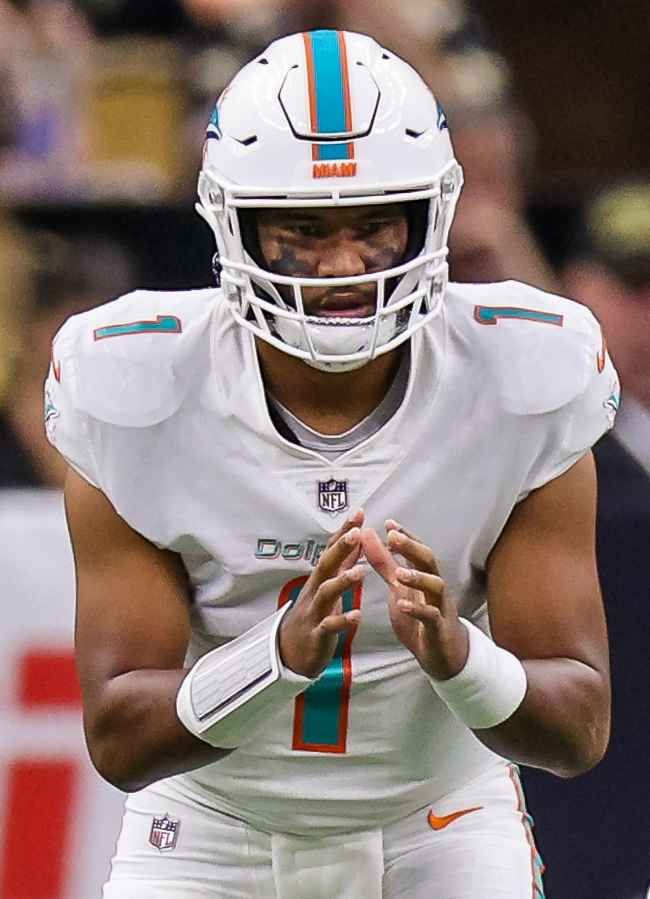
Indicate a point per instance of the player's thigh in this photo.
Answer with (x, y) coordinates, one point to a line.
(485, 852)
(168, 849)
(453, 868)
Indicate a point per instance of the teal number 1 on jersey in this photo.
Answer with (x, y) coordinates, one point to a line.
(320, 721)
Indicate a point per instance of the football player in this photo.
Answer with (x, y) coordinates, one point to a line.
(333, 520)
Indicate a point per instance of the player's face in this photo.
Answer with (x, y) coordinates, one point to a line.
(334, 243)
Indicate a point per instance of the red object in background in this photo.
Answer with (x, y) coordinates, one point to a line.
(48, 679)
(40, 792)
(39, 808)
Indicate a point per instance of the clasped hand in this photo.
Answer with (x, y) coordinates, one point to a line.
(422, 614)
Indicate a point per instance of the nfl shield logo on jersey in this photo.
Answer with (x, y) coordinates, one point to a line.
(164, 833)
(333, 495)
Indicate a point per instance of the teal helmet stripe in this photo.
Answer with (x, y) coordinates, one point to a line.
(328, 77)
(331, 113)
(334, 151)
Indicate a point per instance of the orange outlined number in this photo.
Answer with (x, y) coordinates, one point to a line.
(320, 722)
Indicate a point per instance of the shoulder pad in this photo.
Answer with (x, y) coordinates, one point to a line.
(134, 358)
(540, 348)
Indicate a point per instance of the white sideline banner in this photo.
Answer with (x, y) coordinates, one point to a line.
(58, 819)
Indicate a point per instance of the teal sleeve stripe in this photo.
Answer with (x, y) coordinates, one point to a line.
(163, 324)
(488, 315)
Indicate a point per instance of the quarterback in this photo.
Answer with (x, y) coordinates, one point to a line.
(333, 520)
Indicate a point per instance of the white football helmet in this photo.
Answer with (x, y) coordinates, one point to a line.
(329, 118)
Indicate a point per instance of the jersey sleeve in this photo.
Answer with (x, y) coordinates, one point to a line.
(66, 424)
(588, 416)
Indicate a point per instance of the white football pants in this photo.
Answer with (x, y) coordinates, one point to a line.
(191, 852)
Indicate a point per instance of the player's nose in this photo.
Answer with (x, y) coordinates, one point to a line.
(341, 259)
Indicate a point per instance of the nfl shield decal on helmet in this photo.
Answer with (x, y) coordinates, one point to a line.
(164, 833)
(333, 495)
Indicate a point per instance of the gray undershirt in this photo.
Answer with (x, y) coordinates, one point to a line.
(333, 445)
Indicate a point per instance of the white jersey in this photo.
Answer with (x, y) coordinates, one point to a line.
(157, 399)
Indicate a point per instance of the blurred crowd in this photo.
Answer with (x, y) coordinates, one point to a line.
(105, 101)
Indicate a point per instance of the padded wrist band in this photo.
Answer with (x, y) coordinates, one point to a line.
(490, 687)
(233, 690)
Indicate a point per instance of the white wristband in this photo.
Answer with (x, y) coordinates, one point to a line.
(232, 691)
(490, 687)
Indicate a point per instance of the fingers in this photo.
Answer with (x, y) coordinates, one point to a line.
(391, 525)
(336, 624)
(308, 634)
(336, 573)
(330, 592)
(355, 520)
(416, 553)
(341, 554)
(427, 591)
(378, 555)
(354, 556)
(423, 578)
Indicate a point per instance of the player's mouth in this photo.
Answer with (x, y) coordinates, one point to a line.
(344, 305)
